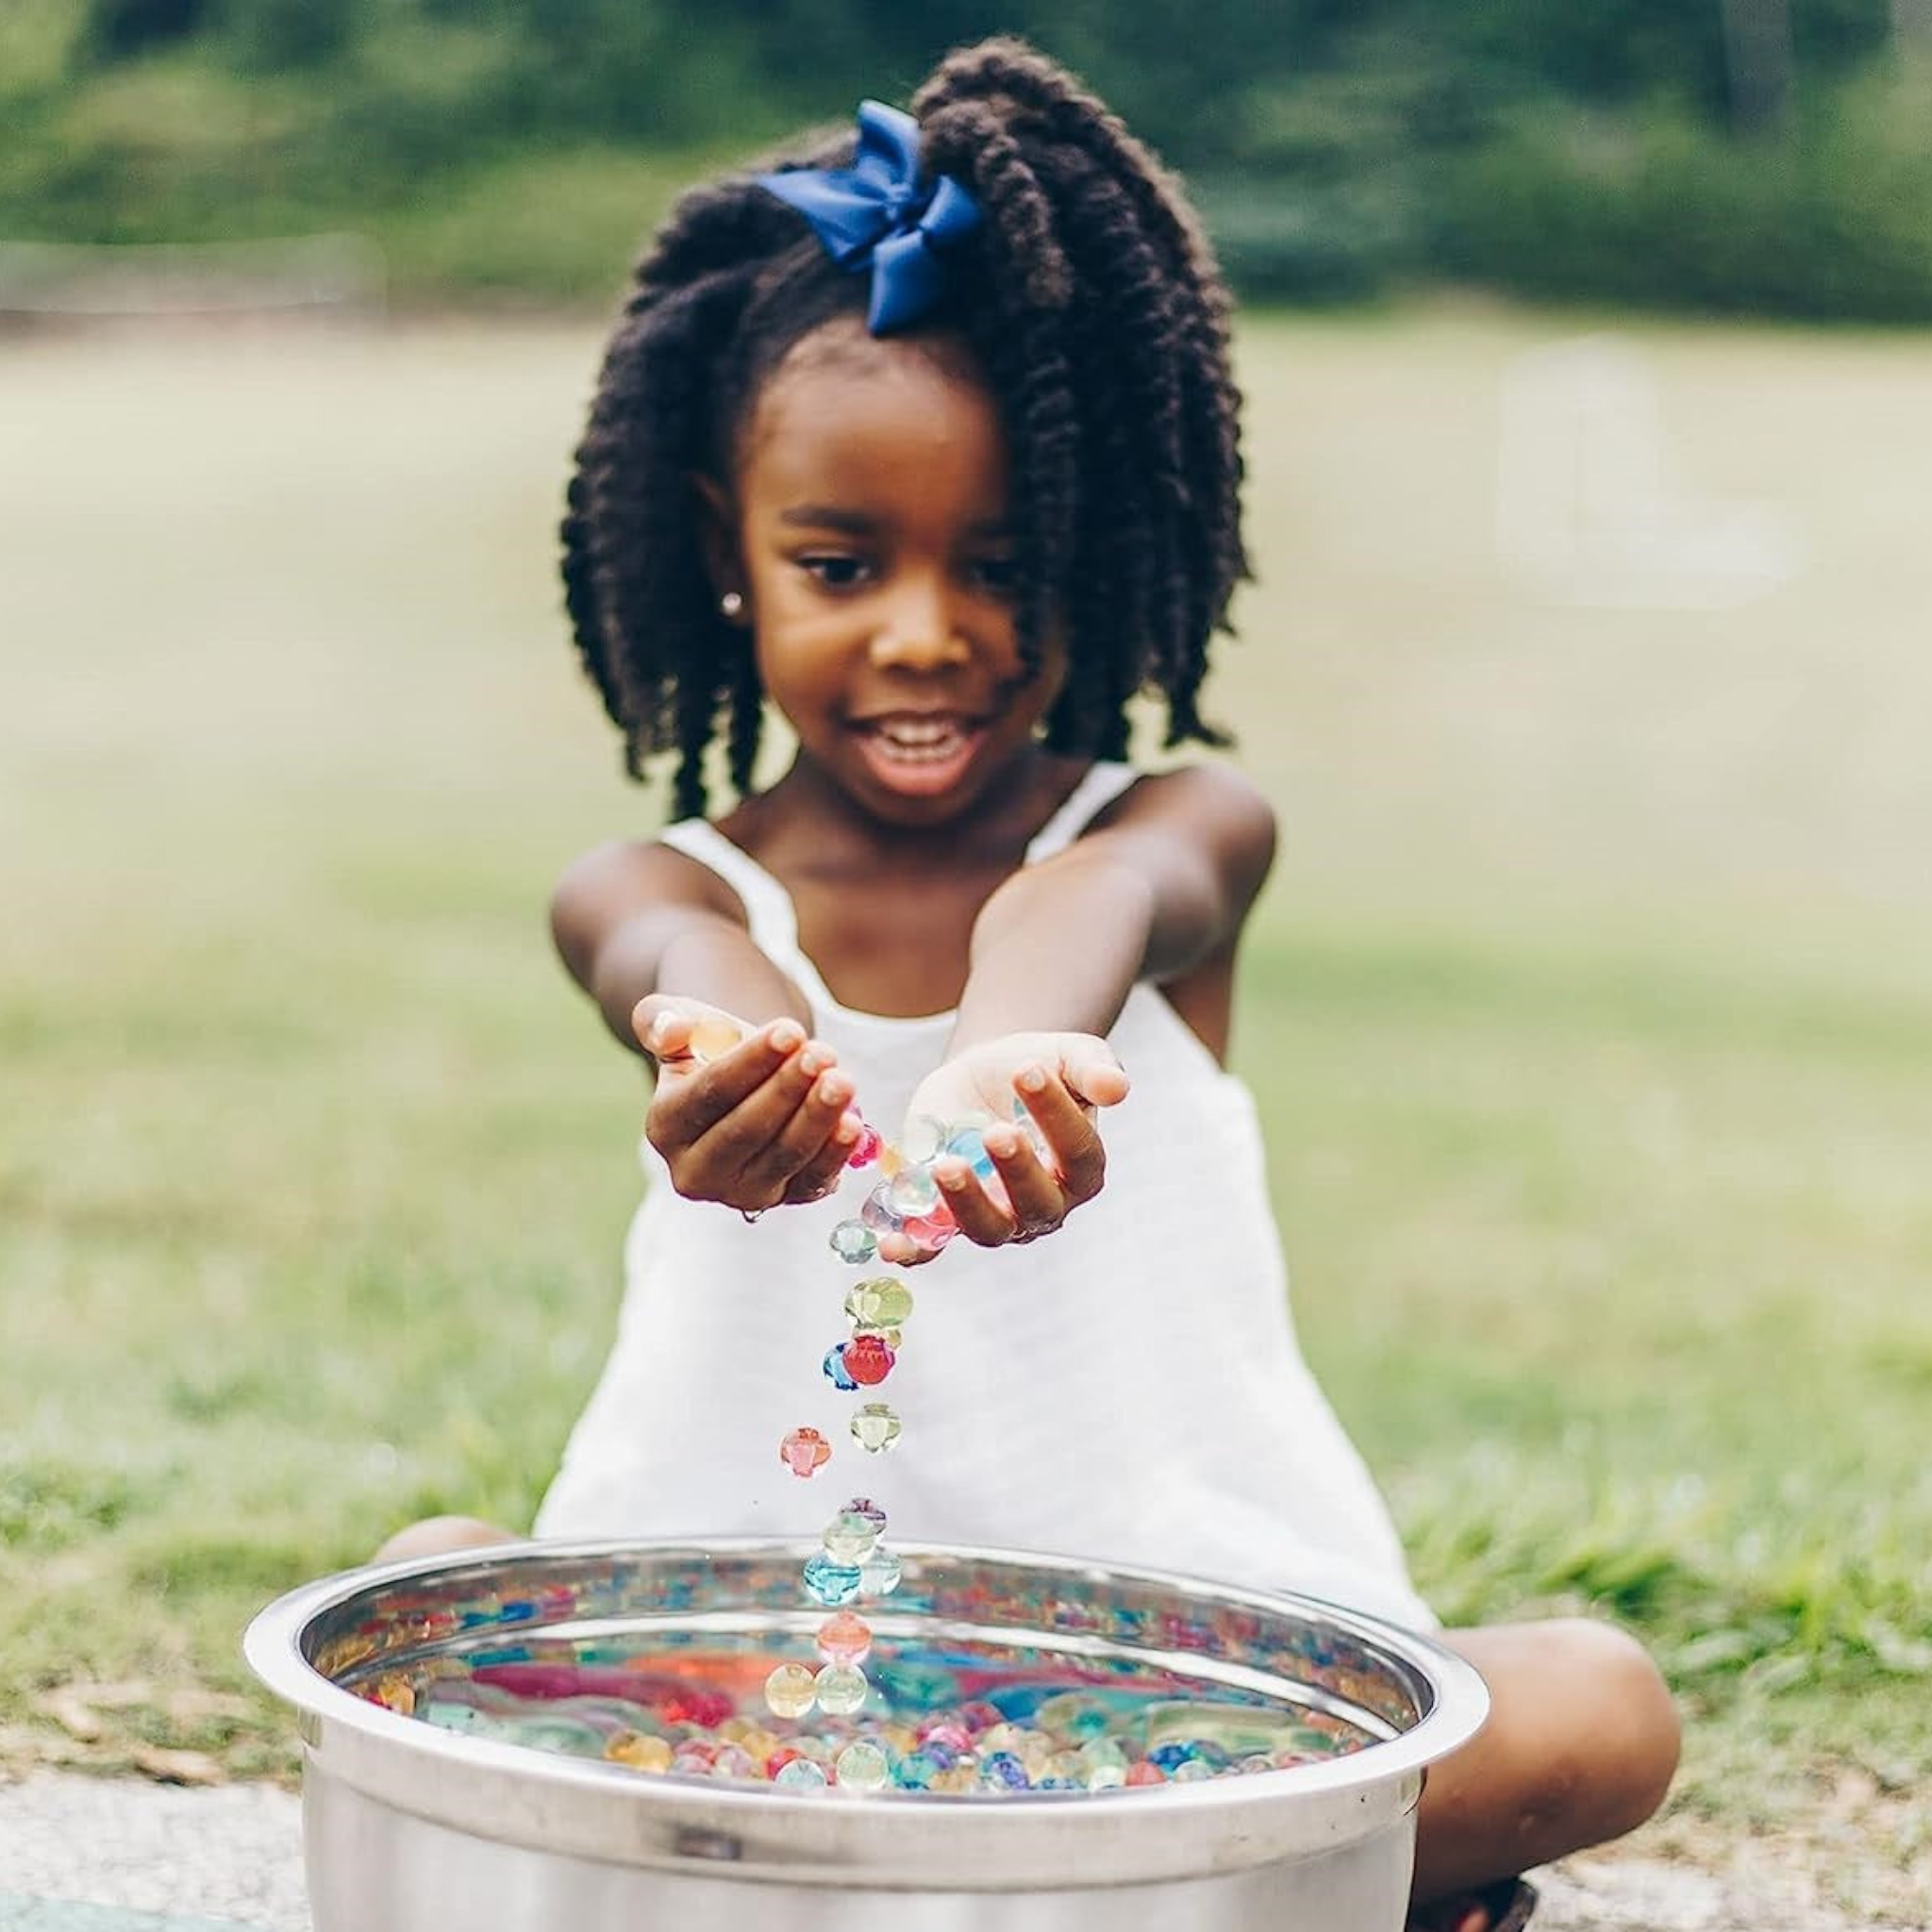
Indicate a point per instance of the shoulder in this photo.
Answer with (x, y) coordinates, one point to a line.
(1210, 809)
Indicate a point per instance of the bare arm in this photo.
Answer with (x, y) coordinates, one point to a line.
(661, 945)
(1160, 887)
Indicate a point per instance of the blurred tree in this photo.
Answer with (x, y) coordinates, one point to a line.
(117, 29)
(1757, 51)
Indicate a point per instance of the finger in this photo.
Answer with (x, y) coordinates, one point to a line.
(662, 1027)
(820, 1172)
(981, 1219)
(1038, 1201)
(720, 1087)
(1097, 1077)
(763, 1141)
(1075, 1149)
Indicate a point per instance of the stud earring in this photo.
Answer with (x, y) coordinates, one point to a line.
(732, 605)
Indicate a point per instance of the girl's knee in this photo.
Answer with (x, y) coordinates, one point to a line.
(438, 1536)
(1625, 1714)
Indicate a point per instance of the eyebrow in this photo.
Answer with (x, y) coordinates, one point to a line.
(857, 523)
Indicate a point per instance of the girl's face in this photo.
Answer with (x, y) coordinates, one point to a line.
(875, 551)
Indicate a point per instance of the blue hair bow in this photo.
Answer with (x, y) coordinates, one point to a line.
(881, 213)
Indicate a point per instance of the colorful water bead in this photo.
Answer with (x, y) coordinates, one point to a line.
(849, 1537)
(862, 1766)
(840, 1689)
(967, 1142)
(876, 1427)
(844, 1638)
(713, 1036)
(640, 1752)
(883, 1301)
(790, 1690)
(831, 1584)
(864, 1505)
(803, 1451)
(911, 1193)
(801, 1775)
(867, 1358)
(836, 1371)
(855, 1242)
(922, 1140)
(866, 1149)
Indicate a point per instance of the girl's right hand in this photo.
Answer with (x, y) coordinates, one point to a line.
(753, 1125)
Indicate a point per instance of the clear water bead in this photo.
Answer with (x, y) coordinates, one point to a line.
(840, 1689)
(829, 1582)
(801, 1775)
(911, 1193)
(849, 1539)
(713, 1036)
(863, 1767)
(922, 1141)
(864, 1505)
(878, 1575)
(876, 1427)
(879, 1215)
(791, 1690)
(853, 1241)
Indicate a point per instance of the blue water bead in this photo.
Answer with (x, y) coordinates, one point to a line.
(916, 1770)
(831, 1584)
(969, 1144)
(801, 1775)
(1059, 1784)
(834, 1366)
(1168, 1756)
(1003, 1771)
(854, 1241)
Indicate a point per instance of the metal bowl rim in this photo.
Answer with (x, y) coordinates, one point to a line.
(272, 1647)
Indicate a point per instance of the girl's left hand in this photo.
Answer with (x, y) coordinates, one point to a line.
(1062, 1079)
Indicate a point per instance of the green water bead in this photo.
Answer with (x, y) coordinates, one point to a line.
(863, 1767)
(884, 1302)
(876, 1427)
(840, 1689)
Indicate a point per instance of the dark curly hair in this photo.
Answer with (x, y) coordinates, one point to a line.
(1091, 299)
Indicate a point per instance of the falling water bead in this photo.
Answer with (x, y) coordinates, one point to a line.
(829, 1582)
(803, 1451)
(876, 1427)
(713, 1036)
(867, 1359)
(862, 1766)
(912, 1191)
(879, 1574)
(852, 1240)
(840, 1689)
(801, 1775)
(882, 1302)
(865, 1506)
(891, 1337)
(834, 1366)
(849, 1539)
(844, 1638)
(791, 1690)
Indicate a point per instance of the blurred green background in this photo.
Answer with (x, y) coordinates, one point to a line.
(1762, 155)
(1591, 1007)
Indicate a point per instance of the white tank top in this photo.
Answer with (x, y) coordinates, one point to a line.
(1127, 1390)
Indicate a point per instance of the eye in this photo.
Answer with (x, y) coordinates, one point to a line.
(996, 576)
(836, 569)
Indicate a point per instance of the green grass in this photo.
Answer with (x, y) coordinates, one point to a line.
(1588, 1012)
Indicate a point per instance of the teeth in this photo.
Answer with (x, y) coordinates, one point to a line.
(906, 734)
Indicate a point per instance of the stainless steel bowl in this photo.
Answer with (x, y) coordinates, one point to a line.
(410, 1828)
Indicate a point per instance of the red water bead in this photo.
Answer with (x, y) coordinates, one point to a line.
(865, 1150)
(779, 1758)
(981, 1717)
(707, 1709)
(1142, 1772)
(868, 1359)
(804, 1451)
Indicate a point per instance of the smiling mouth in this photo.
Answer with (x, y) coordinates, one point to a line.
(920, 752)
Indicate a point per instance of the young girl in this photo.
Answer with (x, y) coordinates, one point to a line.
(930, 446)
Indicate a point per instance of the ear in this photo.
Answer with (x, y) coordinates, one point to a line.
(718, 534)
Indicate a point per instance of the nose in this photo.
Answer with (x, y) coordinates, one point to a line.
(916, 629)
